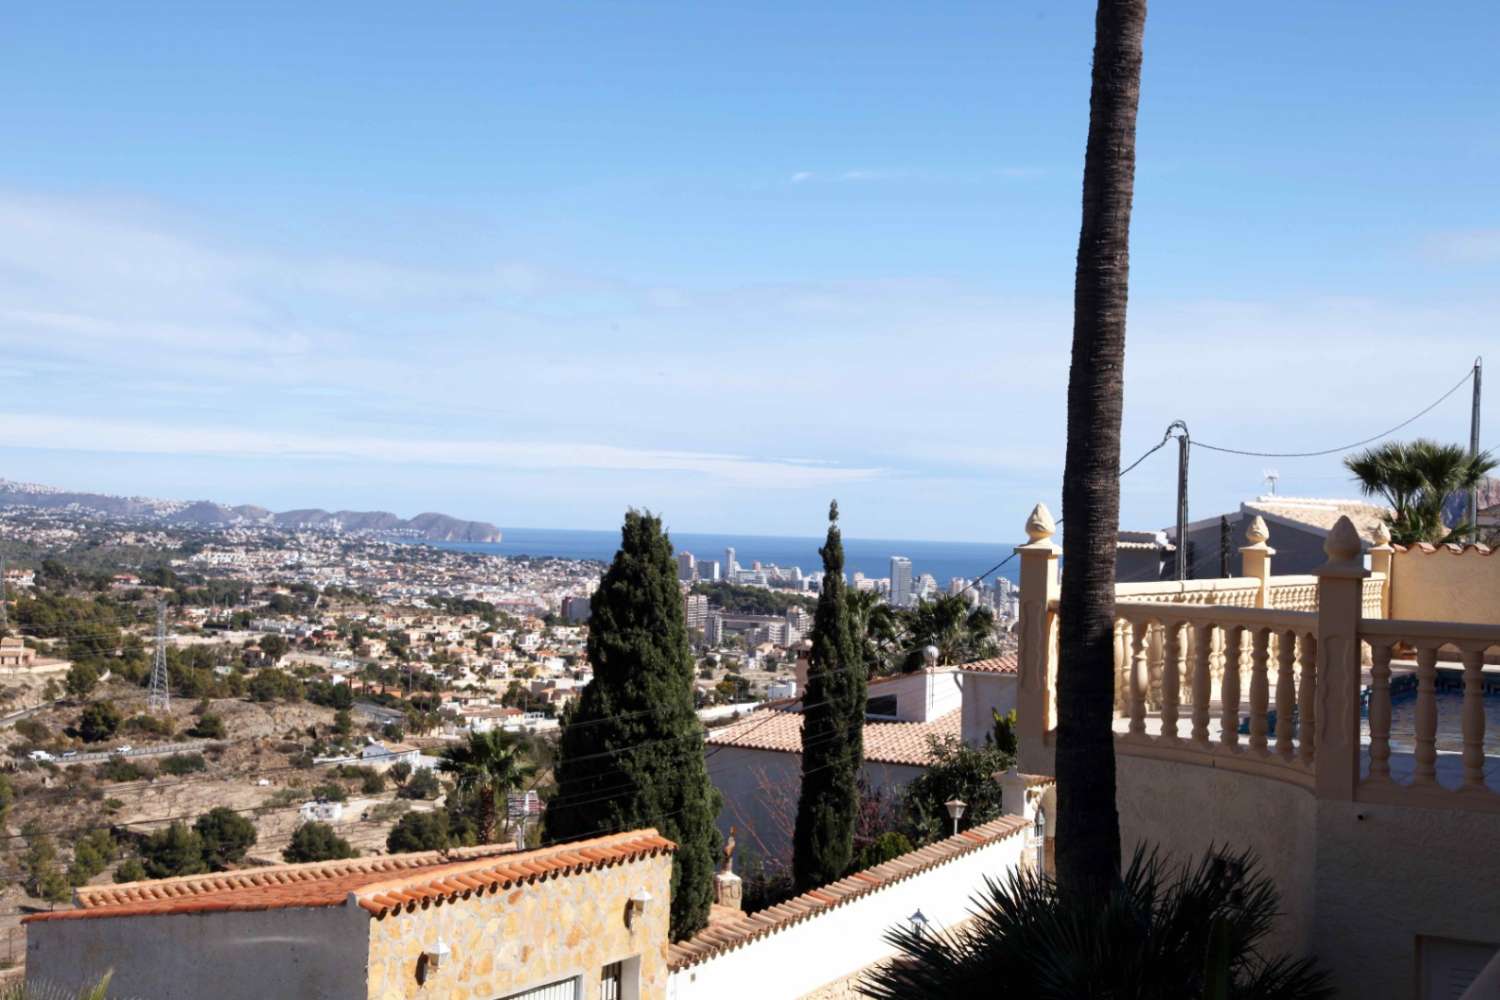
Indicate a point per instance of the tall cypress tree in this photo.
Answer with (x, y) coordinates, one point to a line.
(632, 750)
(833, 718)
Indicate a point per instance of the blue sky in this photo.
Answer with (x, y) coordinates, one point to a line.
(536, 263)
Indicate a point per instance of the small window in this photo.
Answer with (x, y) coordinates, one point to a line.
(883, 706)
(566, 989)
(609, 981)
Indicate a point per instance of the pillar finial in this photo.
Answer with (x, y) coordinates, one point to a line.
(1040, 526)
(1382, 534)
(1345, 553)
(1257, 533)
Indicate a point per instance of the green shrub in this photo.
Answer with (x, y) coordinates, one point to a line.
(34, 730)
(121, 769)
(423, 784)
(184, 763)
(226, 836)
(332, 791)
(317, 842)
(130, 870)
(100, 721)
(882, 849)
(208, 727)
(151, 725)
(418, 831)
(175, 850)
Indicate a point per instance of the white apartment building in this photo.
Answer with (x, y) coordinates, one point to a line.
(901, 592)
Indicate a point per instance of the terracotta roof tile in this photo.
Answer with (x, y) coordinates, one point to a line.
(726, 936)
(885, 742)
(378, 884)
(1318, 514)
(1005, 663)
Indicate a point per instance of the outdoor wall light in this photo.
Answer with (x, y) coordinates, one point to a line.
(438, 955)
(956, 807)
(636, 906)
(930, 654)
(918, 922)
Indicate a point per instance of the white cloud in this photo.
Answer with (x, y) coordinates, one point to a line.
(86, 434)
(802, 176)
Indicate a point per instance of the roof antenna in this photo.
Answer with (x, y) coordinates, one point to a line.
(1271, 476)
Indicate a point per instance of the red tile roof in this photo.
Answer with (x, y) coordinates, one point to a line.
(1005, 663)
(741, 929)
(885, 742)
(379, 884)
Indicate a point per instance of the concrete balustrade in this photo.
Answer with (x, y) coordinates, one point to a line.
(1285, 657)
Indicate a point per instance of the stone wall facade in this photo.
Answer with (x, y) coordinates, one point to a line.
(517, 939)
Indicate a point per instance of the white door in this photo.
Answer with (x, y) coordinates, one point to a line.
(567, 989)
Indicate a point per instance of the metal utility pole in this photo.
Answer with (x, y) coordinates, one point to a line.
(1474, 450)
(1183, 444)
(159, 697)
(3, 621)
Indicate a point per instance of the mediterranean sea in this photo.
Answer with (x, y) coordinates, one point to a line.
(870, 556)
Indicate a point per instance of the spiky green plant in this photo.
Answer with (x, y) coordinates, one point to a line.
(51, 991)
(1417, 478)
(1193, 932)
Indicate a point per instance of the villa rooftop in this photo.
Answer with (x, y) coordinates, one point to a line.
(885, 742)
(379, 885)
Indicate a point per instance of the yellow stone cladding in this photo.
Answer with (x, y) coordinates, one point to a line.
(529, 935)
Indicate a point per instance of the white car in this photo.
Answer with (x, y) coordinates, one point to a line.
(40, 755)
(70, 755)
(124, 749)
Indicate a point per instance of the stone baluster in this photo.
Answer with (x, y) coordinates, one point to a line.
(1039, 587)
(1255, 560)
(1473, 717)
(1171, 679)
(1426, 716)
(1260, 690)
(1286, 692)
(1380, 712)
(1381, 554)
(1203, 644)
(1122, 666)
(1335, 725)
(1307, 694)
(1229, 689)
(1140, 667)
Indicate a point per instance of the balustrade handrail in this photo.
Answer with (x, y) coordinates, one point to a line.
(1414, 630)
(1217, 614)
(1292, 580)
(1169, 587)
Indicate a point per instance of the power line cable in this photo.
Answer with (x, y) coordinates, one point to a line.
(1341, 448)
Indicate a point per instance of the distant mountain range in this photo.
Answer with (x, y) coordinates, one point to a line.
(427, 527)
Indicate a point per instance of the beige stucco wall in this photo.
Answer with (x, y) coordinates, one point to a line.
(1444, 585)
(316, 953)
(985, 694)
(1386, 875)
(1183, 808)
(520, 938)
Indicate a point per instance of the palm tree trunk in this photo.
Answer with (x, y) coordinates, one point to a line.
(1088, 826)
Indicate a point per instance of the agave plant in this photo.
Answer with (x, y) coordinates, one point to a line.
(48, 991)
(1193, 932)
